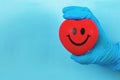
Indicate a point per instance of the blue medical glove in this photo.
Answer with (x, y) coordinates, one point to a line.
(104, 53)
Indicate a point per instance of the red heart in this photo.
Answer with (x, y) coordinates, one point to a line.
(78, 36)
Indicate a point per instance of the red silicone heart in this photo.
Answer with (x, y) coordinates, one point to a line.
(78, 36)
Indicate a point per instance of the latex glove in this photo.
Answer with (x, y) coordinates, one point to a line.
(104, 53)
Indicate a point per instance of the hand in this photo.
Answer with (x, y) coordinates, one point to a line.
(104, 52)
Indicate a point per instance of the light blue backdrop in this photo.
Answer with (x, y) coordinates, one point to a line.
(29, 44)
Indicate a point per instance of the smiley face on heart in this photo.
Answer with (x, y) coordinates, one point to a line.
(78, 36)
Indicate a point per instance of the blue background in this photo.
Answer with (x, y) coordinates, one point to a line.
(29, 44)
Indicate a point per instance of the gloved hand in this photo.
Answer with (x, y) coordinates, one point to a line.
(104, 53)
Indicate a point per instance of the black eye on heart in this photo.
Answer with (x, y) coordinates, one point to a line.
(82, 31)
(74, 31)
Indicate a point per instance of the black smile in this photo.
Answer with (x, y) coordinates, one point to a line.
(78, 44)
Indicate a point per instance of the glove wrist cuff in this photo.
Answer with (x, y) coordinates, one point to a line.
(115, 57)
